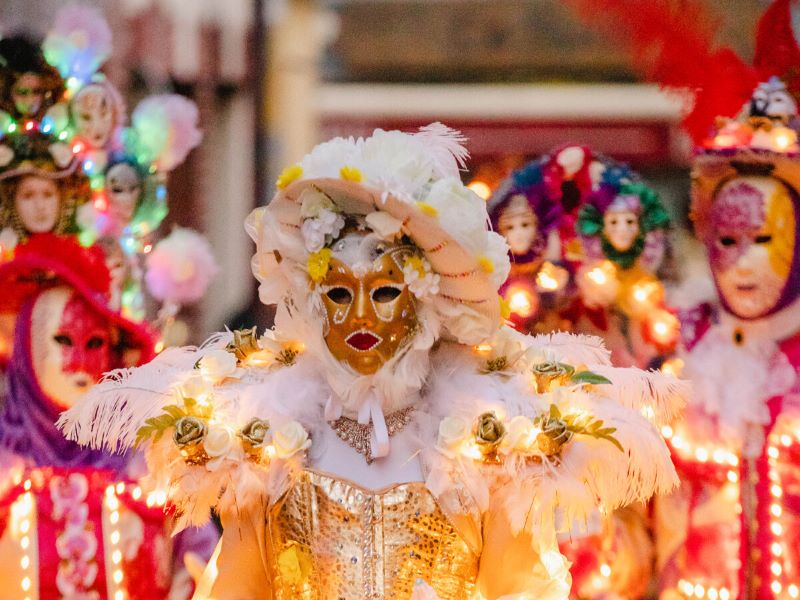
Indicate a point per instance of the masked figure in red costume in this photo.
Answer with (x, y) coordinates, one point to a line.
(74, 522)
(733, 529)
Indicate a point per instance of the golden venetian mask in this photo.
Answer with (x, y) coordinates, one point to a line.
(370, 310)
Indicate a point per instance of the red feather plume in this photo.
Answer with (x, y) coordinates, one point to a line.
(671, 42)
(777, 50)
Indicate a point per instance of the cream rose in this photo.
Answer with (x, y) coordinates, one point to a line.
(517, 432)
(218, 444)
(452, 431)
(290, 439)
(217, 365)
(194, 387)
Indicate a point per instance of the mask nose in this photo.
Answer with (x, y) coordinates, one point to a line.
(362, 314)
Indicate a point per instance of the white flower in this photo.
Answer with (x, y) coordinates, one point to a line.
(218, 444)
(217, 365)
(8, 240)
(315, 231)
(497, 252)
(327, 159)
(420, 278)
(464, 323)
(517, 435)
(452, 432)
(396, 161)
(384, 225)
(461, 212)
(290, 439)
(194, 387)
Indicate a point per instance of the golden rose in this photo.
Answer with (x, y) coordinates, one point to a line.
(555, 434)
(489, 432)
(189, 431)
(253, 435)
(550, 374)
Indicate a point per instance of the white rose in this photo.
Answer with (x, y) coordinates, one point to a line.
(290, 439)
(218, 444)
(452, 431)
(384, 225)
(517, 432)
(396, 161)
(328, 158)
(217, 365)
(194, 387)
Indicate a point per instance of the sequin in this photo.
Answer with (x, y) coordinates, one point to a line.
(364, 544)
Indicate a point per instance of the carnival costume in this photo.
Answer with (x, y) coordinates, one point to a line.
(390, 438)
(733, 528)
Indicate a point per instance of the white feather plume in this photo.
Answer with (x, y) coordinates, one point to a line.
(659, 397)
(446, 148)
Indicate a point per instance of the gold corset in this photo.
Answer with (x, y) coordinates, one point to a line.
(329, 540)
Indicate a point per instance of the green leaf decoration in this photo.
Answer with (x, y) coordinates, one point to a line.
(155, 427)
(585, 424)
(590, 221)
(589, 377)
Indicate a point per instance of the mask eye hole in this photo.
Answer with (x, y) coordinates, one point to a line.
(95, 342)
(385, 293)
(763, 239)
(63, 340)
(727, 241)
(339, 295)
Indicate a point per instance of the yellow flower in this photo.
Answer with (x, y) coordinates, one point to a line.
(415, 262)
(288, 175)
(318, 264)
(486, 264)
(428, 209)
(505, 309)
(351, 174)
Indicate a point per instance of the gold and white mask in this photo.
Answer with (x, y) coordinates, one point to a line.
(370, 312)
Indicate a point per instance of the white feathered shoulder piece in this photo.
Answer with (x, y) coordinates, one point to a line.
(544, 427)
(211, 437)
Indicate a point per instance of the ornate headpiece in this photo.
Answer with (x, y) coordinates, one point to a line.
(399, 186)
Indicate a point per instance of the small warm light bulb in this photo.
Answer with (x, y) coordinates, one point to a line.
(598, 276)
(776, 587)
(26, 584)
(605, 570)
(520, 303)
(118, 576)
(481, 188)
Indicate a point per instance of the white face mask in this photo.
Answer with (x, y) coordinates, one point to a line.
(93, 113)
(621, 228)
(123, 188)
(37, 202)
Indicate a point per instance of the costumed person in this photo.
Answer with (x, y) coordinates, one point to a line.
(75, 522)
(390, 438)
(733, 529)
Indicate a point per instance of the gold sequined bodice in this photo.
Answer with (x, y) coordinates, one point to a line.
(330, 539)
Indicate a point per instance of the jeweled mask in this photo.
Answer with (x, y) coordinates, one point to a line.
(752, 243)
(370, 312)
(71, 345)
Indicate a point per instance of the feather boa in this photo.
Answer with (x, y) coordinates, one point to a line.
(540, 498)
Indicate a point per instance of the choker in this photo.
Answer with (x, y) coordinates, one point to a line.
(359, 437)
